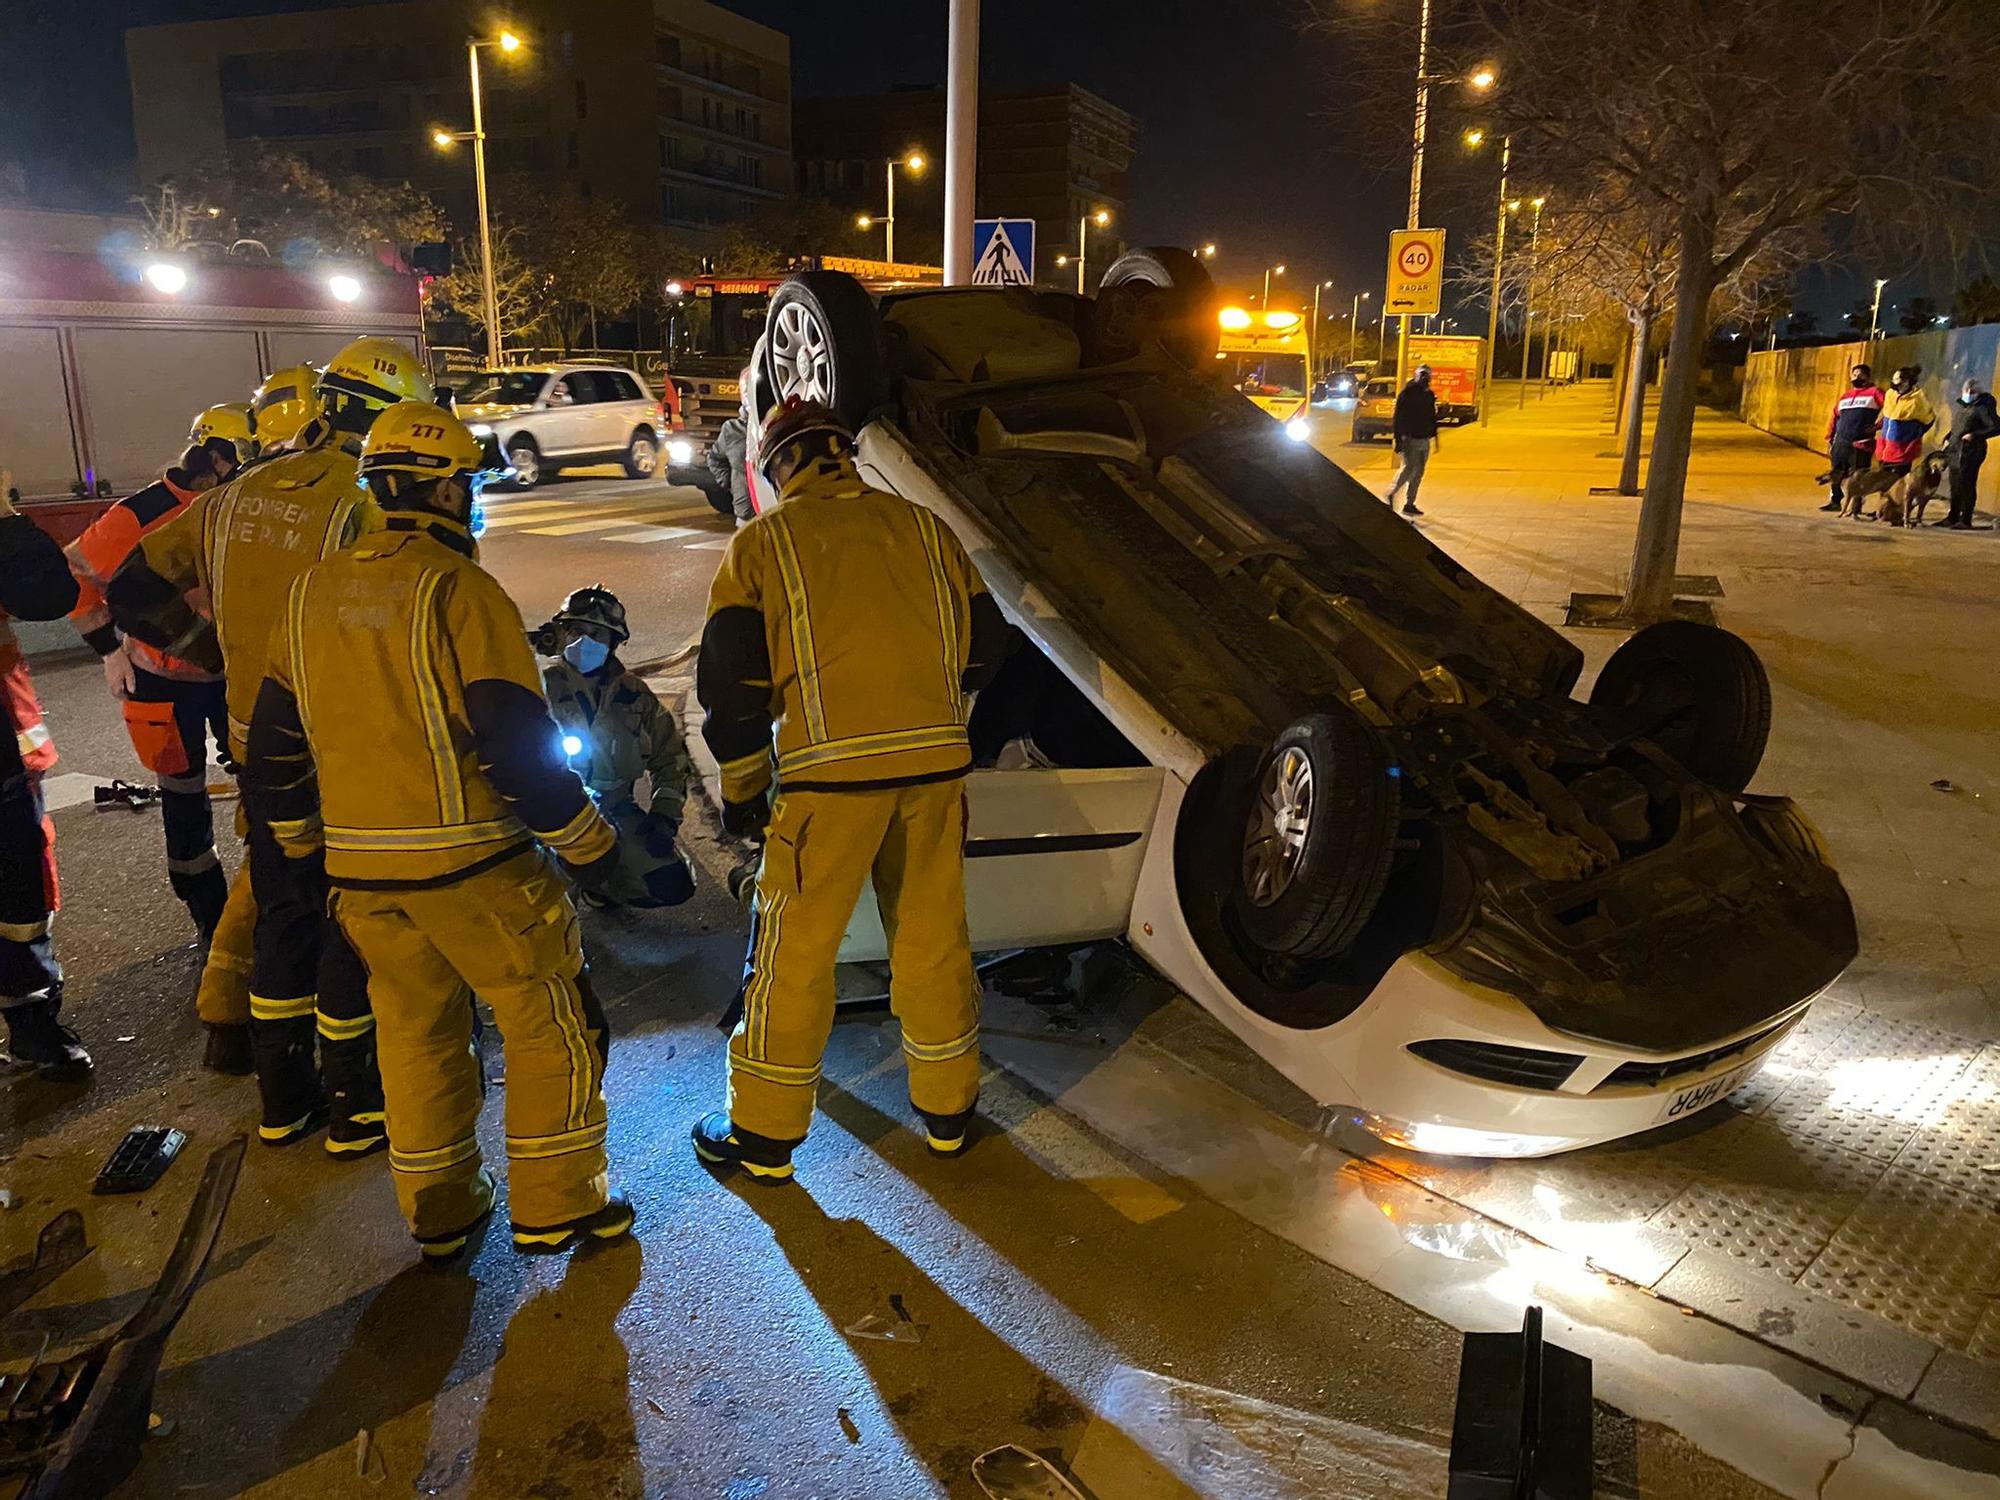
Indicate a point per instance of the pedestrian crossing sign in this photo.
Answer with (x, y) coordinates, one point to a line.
(1003, 252)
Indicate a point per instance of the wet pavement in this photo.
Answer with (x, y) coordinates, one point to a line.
(1158, 1263)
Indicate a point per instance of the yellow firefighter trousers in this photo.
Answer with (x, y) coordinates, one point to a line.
(509, 935)
(819, 849)
(223, 997)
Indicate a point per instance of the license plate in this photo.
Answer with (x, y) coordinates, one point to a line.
(1700, 1095)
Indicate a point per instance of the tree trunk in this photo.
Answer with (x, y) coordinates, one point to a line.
(1620, 377)
(1649, 596)
(1635, 402)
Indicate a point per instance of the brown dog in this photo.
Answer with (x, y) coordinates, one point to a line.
(1904, 496)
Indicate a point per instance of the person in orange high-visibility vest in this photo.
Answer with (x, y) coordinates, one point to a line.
(34, 585)
(172, 709)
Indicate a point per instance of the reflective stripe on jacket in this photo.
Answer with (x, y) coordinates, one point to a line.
(845, 628)
(245, 544)
(96, 555)
(402, 725)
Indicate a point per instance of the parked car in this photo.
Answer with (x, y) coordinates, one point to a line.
(545, 418)
(1375, 410)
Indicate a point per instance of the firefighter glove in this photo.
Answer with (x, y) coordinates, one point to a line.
(746, 820)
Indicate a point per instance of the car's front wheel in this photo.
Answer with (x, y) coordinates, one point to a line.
(1696, 691)
(1318, 837)
(642, 454)
(823, 342)
(525, 459)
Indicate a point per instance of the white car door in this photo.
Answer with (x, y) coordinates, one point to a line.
(564, 423)
(1051, 856)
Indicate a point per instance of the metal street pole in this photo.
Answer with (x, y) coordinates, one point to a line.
(1528, 315)
(889, 221)
(1354, 326)
(1417, 166)
(494, 338)
(1875, 311)
(1493, 303)
(1082, 243)
(961, 139)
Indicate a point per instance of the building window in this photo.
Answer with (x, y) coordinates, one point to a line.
(582, 101)
(369, 160)
(749, 171)
(667, 52)
(670, 204)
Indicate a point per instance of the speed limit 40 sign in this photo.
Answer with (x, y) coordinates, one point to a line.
(1416, 272)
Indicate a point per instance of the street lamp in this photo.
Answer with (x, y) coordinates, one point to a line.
(1528, 321)
(444, 140)
(1475, 138)
(1083, 222)
(1354, 323)
(914, 162)
(1208, 251)
(1875, 311)
(1481, 79)
(1269, 272)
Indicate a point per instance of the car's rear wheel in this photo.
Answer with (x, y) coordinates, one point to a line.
(1318, 837)
(1161, 295)
(525, 459)
(1696, 691)
(823, 342)
(642, 454)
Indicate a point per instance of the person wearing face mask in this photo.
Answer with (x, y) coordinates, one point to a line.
(1850, 431)
(614, 730)
(422, 766)
(1974, 422)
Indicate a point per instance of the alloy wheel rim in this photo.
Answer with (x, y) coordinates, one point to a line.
(1275, 841)
(527, 465)
(645, 457)
(801, 354)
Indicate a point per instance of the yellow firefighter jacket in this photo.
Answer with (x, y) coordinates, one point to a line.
(244, 543)
(402, 721)
(845, 629)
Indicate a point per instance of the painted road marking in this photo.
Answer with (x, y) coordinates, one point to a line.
(656, 534)
(625, 518)
(717, 545)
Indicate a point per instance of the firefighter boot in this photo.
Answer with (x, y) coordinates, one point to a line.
(36, 1039)
(447, 1245)
(720, 1144)
(611, 1222)
(946, 1134)
(287, 1080)
(227, 1048)
(353, 1095)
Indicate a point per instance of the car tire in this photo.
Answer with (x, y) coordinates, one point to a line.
(823, 342)
(1696, 691)
(642, 454)
(1160, 295)
(1318, 837)
(525, 459)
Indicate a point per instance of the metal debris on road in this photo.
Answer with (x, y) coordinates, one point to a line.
(847, 1428)
(1944, 784)
(1013, 1473)
(887, 1330)
(139, 1160)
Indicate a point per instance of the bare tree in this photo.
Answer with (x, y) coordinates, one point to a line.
(1740, 122)
(514, 285)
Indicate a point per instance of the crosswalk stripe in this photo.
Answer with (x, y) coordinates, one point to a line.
(577, 518)
(607, 521)
(715, 546)
(656, 534)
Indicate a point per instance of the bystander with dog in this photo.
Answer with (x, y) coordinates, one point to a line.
(1850, 431)
(1974, 422)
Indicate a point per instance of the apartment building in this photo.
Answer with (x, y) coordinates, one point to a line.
(679, 109)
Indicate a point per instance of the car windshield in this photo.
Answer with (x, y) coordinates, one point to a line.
(502, 388)
(1269, 374)
(1380, 388)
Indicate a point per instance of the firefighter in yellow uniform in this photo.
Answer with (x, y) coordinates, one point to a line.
(428, 768)
(845, 629)
(244, 544)
(282, 405)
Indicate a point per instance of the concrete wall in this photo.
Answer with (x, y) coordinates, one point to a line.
(1790, 392)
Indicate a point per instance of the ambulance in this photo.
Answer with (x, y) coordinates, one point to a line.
(1263, 355)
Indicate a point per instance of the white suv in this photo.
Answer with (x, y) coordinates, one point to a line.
(549, 417)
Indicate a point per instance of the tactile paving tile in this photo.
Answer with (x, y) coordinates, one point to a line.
(1962, 1149)
(1793, 1058)
(1769, 1198)
(1875, 1086)
(1920, 1254)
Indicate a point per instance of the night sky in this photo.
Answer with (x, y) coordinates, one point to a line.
(1247, 137)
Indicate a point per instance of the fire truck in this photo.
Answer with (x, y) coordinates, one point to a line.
(715, 321)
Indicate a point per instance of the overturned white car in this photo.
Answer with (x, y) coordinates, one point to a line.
(1312, 770)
